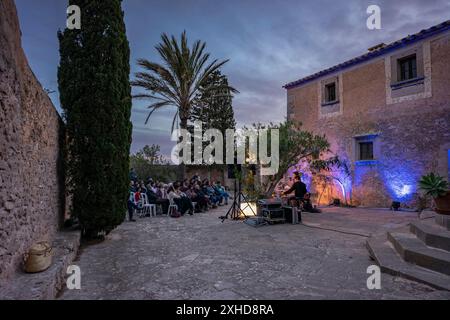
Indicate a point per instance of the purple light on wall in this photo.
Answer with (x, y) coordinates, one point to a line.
(401, 182)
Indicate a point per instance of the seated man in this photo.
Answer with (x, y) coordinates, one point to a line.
(180, 199)
(300, 191)
(131, 203)
(209, 191)
(223, 194)
(154, 198)
(199, 197)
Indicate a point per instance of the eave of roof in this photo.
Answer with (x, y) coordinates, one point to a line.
(442, 27)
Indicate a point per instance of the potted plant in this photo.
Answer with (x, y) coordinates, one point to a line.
(435, 186)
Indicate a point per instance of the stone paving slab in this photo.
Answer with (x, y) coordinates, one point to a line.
(200, 257)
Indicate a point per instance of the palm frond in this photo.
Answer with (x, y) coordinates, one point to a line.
(155, 107)
(178, 78)
(174, 120)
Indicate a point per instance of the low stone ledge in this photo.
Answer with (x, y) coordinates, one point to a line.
(427, 214)
(47, 284)
(443, 220)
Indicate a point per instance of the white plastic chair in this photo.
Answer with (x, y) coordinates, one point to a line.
(147, 207)
(172, 208)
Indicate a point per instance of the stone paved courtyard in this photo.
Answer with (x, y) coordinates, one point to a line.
(201, 258)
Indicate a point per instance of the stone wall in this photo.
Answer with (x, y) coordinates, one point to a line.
(31, 135)
(412, 135)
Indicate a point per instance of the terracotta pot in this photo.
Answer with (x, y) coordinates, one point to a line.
(443, 204)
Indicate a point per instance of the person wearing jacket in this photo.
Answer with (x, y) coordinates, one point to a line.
(299, 189)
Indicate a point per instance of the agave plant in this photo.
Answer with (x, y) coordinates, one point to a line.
(433, 185)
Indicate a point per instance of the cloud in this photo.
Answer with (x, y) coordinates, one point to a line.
(269, 43)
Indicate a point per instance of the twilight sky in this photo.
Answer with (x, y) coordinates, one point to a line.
(268, 42)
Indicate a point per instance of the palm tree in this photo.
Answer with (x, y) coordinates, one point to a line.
(177, 81)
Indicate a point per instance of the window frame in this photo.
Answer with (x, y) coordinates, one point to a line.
(328, 95)
(358, 140)
(369, 151)
(407, 68)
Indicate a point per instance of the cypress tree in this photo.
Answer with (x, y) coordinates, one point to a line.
(95, 95)
(215, 106)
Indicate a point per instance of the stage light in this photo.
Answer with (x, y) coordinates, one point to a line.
(249, 208)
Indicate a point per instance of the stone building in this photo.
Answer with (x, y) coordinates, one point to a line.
(386, 112)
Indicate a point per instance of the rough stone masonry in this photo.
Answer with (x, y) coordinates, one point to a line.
(31, 137)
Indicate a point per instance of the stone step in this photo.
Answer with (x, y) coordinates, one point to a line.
(412, 250)
(432, 235)
(382, 251)
(47, 284)
(443, 220)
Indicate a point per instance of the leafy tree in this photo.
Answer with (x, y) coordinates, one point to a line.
(331, 170)
(95, 93)
(152, 155)
(178, 80)
(295, 145)
(148, 162)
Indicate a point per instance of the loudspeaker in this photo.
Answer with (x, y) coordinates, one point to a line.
(232, 169)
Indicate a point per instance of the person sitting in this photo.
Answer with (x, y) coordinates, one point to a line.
(200, 198)
(137, 195)
(154, 198)
(211, 193)
(185, 186)
(161, 191)
(222, 192)
(183, 203)
(143, 187)
(138, 198)
(195, 179)
(132, 186)
(131, 203)
(300, 191)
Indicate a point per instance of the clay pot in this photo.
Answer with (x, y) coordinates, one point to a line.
(443, 204)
